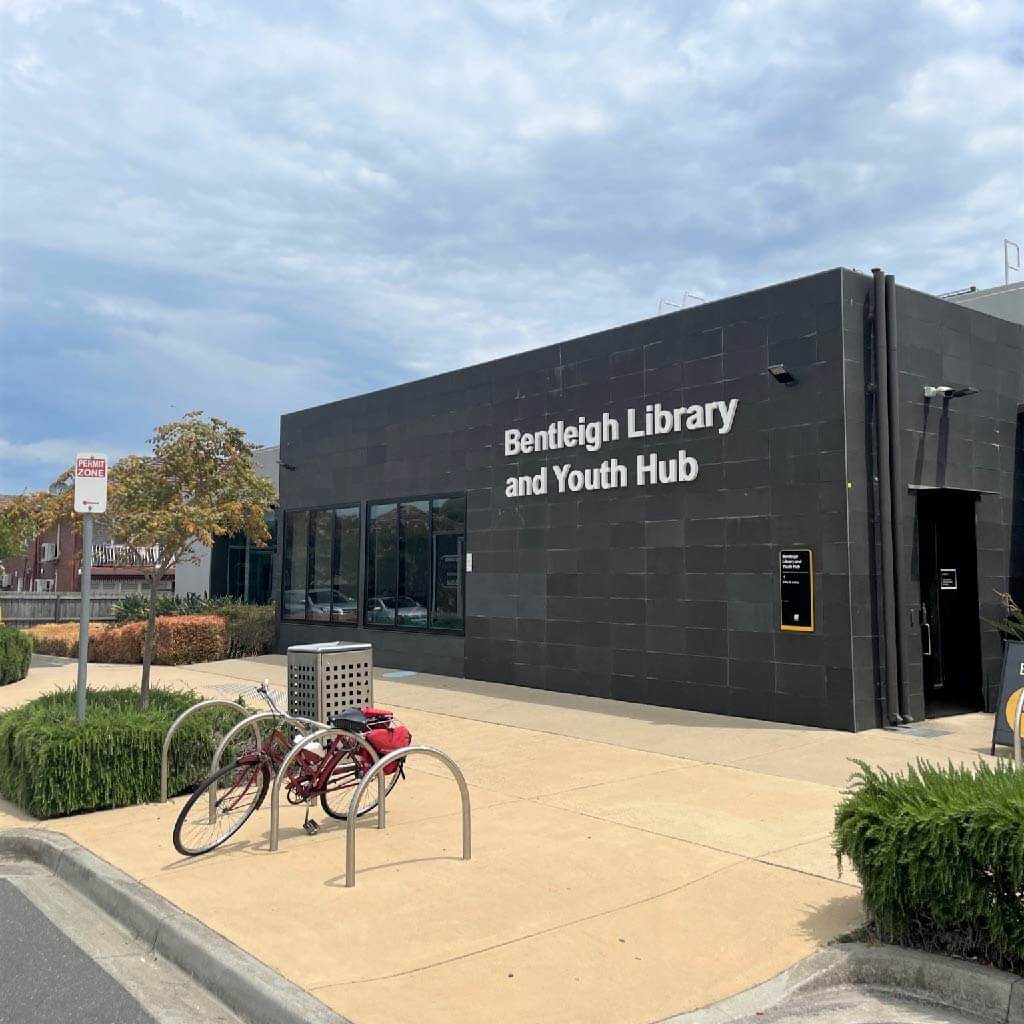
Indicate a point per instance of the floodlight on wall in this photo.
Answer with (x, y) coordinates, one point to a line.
(285, 465)
(945, 392)
(781, 374)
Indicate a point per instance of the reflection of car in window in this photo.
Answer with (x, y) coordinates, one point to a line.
(317, 603)
(382, 611)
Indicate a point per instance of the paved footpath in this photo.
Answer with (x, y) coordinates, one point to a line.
(629, 862)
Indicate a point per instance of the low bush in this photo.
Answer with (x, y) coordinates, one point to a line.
(184, 639)
(940, 855)
(119, 645)
(15, 654)
(180, 640)
(50, 764)
(250, 629)
(61, 638)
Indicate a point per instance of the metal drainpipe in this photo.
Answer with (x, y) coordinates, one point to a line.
(898, 490)
(885, 482)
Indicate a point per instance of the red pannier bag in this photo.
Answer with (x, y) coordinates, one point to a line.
(394, 736)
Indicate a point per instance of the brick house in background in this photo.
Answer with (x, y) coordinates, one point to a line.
(53, 563)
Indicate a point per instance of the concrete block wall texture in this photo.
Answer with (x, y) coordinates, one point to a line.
(664, 594)
(970, 443)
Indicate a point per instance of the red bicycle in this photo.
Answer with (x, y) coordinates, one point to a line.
(329, 773)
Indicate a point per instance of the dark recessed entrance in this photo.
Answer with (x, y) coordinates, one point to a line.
(950, 638)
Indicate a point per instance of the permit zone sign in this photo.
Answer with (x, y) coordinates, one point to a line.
(90, 483)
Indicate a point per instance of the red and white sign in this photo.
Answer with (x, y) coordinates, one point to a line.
(90, 483)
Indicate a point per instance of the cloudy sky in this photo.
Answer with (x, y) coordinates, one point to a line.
(251, 208)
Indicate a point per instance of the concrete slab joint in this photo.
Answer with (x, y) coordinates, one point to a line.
(246, 986)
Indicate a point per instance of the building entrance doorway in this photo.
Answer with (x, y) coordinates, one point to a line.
(950, 636)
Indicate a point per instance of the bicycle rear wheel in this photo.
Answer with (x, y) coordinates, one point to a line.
(238, 789)
(344, 779)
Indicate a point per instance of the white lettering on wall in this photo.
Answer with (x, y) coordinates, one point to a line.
(652, 469)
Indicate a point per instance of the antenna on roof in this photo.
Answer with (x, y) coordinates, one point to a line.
(662, 303)
(1007, 265)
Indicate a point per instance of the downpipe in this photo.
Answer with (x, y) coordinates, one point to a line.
(898, 493)
(890, 616)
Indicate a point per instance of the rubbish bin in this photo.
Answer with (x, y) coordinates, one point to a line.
(324, 679)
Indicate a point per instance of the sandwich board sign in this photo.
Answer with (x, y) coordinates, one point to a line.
(1009, 693)
(90, 482)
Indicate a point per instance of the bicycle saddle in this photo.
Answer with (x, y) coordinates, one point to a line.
(351, 720)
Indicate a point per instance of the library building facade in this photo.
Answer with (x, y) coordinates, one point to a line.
(799, 504)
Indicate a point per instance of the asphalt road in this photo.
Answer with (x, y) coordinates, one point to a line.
(62, 959)
(44, 976)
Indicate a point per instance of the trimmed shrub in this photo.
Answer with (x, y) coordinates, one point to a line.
(119, 645)
(15, 654)
(50, 764)
(940, 855)
(61, 638)
(250, 629)
(183, 639)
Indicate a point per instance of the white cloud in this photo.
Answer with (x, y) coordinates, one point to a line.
(253, 208)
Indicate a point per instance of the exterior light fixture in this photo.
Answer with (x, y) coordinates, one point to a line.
(781, 374)
(945, 392)
(285, 465)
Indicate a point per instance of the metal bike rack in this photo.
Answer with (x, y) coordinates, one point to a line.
(301, 723)
(377, 771)
(165, 752)
(275, 792)
(1017, 726)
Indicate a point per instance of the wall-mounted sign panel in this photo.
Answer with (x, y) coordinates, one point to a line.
(796, 590)
(947, 579)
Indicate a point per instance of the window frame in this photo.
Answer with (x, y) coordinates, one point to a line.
(283, 514)
(429, 498)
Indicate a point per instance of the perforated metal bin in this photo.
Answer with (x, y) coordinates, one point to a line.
(324, 679)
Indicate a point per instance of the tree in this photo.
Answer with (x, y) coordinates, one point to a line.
(17, 526)
(12, 541)
(200, 482)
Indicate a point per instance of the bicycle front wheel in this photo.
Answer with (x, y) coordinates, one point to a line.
(238, 789)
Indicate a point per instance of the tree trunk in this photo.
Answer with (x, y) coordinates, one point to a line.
(147, 642)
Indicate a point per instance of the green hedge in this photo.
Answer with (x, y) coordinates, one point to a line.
(15, 654)
(50, 764)
(940, 855)
(251, 628)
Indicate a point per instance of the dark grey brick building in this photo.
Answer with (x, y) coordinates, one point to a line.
(436, 520)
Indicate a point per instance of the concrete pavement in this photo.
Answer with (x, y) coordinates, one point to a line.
(630, 862)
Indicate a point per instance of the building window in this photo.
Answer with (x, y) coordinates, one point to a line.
(293, 582)
(414, 564)
(345, 566)
(241, 569)
(320, 570)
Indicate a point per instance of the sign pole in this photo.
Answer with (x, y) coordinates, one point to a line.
(83, 619)
(90, 497)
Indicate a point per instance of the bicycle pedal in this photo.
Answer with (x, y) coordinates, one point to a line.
(311, 827)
